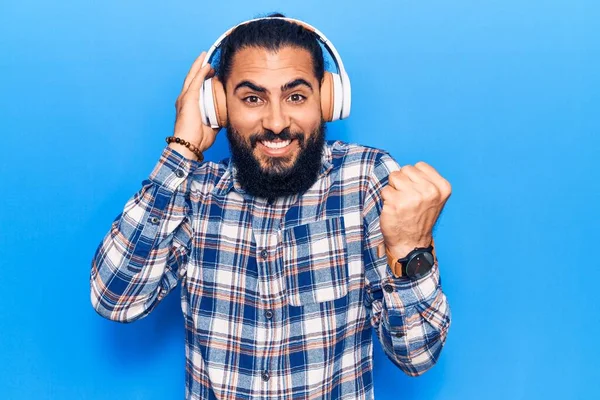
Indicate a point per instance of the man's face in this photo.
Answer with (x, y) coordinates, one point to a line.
(275, 122)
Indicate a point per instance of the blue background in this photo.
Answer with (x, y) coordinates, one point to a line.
(501, 97)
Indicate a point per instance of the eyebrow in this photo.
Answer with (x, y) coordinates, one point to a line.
(290, 85)
(296, 83)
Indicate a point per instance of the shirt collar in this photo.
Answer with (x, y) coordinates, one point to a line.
(228, 180)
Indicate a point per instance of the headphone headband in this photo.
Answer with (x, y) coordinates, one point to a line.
(328, 45)
(341, 104)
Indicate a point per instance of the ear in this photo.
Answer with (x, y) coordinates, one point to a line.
(327, 96)
(220, 101)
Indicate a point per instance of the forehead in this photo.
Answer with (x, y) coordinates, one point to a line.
(271, 68)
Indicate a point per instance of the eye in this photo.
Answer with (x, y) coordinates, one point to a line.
(252, 100)
(297, 98)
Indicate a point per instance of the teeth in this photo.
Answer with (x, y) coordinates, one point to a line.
(277, 145)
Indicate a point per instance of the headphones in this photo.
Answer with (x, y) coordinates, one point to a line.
(335, 88)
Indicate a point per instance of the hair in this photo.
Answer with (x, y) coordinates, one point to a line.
(270, 34)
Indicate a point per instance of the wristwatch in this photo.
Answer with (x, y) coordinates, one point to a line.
(415, 265)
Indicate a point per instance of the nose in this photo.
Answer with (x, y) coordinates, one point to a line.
(275, 118)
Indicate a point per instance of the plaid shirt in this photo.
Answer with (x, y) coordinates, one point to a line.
(279, 298)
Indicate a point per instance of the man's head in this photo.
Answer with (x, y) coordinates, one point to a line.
(272, 72)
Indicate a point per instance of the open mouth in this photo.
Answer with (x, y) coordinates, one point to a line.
(276, 147)
(278, 144)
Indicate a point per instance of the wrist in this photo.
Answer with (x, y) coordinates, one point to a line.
(186, 148)
(401, 250)
(184, 151)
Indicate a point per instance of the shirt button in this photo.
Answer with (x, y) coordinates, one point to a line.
(180, 173)
(265, 376)
(264, 253)
(388, 288)
(268, 314)
(154, 220)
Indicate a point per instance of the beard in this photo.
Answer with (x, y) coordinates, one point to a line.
(277, 178)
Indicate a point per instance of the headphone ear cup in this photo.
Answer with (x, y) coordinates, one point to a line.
(338, 96)
(213, 105)
(331, 96)
(206, 103)
(220, 101)
(327, 99)
(201, 103)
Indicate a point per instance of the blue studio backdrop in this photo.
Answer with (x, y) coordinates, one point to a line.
(501, 97)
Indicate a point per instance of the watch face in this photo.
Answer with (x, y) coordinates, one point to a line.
(419, 265)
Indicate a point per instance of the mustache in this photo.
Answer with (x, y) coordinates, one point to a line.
(268, 135)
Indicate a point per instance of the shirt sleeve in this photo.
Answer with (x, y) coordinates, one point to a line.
(410, 316)
(142, 257)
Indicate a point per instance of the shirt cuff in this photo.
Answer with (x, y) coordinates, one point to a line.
(172, 170)
(405, 292)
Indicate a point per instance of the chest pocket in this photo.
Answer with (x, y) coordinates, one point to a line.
(315, 262)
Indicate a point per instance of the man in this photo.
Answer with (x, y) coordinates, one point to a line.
(280, 250)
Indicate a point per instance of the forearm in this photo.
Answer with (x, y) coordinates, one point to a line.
(411, 316)
(414, 321)
(135, 265)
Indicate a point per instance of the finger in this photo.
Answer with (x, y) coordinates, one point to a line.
(211, 73)
(438, 180)
(399, 181)
(415, 175)
(388, 193)
(403, 188)
(199, 78)
(193, 71)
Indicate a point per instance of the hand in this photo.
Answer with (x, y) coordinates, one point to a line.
(412, 202)
(188, 123)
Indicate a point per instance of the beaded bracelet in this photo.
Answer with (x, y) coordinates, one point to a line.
(191, 147)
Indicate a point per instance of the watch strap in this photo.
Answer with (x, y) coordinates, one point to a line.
(398, 264)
